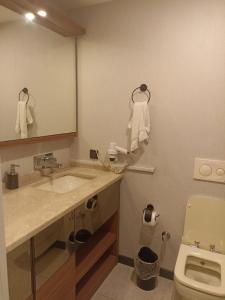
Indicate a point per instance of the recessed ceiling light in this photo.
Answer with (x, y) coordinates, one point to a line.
(42, 13)
(30, 16)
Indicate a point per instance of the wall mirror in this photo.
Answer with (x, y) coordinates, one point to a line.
(37, 80)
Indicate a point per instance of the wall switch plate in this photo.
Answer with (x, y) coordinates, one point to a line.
(93, 154)
(209, 170)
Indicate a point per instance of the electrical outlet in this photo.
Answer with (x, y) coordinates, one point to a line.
(93, 154)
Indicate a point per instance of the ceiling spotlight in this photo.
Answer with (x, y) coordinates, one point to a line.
(42, 13)
(30, 16)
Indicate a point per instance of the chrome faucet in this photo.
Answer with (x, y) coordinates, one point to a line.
(46, 162)
(197, 244)
(212, 248)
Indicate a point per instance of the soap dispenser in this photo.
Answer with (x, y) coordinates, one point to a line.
(12, 178)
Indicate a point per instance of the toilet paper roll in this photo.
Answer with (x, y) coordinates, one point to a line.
(153, 221)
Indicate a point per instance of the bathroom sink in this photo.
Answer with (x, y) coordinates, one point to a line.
(63, 184)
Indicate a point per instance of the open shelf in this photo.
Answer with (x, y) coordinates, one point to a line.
(95, 259)
(93, 279)
(89, 255)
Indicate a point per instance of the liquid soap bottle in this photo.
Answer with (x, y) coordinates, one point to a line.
(12, 178)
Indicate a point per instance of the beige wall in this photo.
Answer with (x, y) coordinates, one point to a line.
(178, 48)
(23, 155)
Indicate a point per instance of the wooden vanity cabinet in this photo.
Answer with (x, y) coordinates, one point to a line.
(86, 269)
(53, 270)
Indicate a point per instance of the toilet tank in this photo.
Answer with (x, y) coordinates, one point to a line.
(205, 223)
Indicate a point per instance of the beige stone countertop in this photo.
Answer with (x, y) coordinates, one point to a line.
(28, 210)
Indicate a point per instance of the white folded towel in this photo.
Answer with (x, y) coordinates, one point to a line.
(23, 119)
(139, 124)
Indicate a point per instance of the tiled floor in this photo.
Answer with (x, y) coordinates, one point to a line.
(119, 285)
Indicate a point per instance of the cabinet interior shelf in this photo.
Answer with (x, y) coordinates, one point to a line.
(93, 253)
(96, 259)
(93, 279)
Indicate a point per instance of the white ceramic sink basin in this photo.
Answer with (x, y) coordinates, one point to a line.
(63, 184)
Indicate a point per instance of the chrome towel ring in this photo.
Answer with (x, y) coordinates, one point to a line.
(143, 88)
(25, 92)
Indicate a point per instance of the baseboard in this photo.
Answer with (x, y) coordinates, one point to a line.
(166, 273)
(126, 261)
(130, 262)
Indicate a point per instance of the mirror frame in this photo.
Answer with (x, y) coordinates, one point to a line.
(39, 139)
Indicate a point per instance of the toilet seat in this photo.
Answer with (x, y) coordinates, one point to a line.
(187, 251)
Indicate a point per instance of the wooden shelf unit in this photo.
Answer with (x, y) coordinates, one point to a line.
(86, 269)
(96, 259)
(89, 284)
(95, 253)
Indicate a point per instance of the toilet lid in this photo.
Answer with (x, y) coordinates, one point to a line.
(205, 223)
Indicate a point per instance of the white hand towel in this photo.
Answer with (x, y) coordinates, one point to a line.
(23, 119)
(139, 124)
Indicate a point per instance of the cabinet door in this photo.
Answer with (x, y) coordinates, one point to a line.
(61, 285)
(52, 249)
(19, 273)
(108, 202)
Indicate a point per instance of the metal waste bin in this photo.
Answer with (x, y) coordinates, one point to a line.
(147, 268)
(78, 239)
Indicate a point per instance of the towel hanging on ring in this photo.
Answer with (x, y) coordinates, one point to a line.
(23, 117)
(139, 124)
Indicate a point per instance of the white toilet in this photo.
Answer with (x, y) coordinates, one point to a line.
(200, 266)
